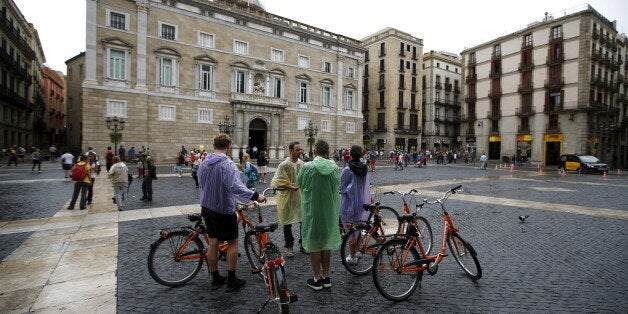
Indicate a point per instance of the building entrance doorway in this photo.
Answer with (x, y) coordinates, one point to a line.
(494, 150)
(258, 130)
(552, 153)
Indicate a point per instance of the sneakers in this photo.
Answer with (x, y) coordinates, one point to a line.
(235, 284)
(315, 284)
(218, 282)
(353, 261)
(326, 282)
(289, 252)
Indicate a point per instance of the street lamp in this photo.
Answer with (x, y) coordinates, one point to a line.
(114, 124)
(367, 136)
(226, 126)
(310, 132)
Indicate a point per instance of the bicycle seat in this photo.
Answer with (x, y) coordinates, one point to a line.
(406, 218)
(268, 227)
(195, 217)
(370, 207)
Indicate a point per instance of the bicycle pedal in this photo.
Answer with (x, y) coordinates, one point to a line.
(256, 271)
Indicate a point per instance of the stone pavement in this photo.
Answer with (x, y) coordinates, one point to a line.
(95, 260)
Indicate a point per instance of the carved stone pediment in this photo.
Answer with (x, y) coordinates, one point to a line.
(116, 41)
(168, 51)
(205, 58)
(304, 77)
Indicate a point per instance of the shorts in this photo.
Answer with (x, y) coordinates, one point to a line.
(220, 226)
(372, 161)
(66, 167)
(262, 169)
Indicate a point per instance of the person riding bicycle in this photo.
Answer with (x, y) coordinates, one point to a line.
(220, 186)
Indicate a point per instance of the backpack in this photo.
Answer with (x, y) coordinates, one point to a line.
(254, 174)
(109, 156)
(79, 173)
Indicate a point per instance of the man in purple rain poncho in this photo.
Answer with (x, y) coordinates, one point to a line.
(220, 185)
(354, 190)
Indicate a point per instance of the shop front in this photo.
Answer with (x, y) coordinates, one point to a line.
(552, 148)
(524, 147)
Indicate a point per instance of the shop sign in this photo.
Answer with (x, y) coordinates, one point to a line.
(524, 138)
(494, 139)
(553, 137)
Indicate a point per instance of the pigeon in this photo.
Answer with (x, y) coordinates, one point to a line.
(523, 218)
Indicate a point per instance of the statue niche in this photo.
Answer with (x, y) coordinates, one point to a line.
(258, 84)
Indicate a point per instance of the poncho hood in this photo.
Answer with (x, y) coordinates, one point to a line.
(324, 166)
(215, 158)
(358, 168)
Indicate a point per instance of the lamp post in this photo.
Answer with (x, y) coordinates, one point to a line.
(226, 126)
(367, 136)
(310, 132)
(114, 124)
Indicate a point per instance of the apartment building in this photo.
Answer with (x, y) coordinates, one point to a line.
(441, 100)
(392, 73)
(21, 59)
(53, 91)
(555, 87)
(176, 70)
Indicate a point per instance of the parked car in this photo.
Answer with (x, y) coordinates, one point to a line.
(582, 164)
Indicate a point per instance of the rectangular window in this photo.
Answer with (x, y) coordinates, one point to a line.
(382, 49)
(527, 40)
(241, 47)
(167, 113)
(350, 127)
(117, 64)
(381, 81)
(116, 108)
(381, 65)
(302, 123)
(557, 32)
(277, 87)
(166, 72)
(327, 67)
(497, 50)
(350, 72)
(276, 55)
(326, 97)
(350, 99)
(400, 105)
(304, 61)
(117, 20)
(401, 65)
(239, 81)
(205, 115)
(381, 100)
(400, 120)
(205, 77)
(205, 40)
(471, 57)
(168, 32)
(325, 125)
(303, 92)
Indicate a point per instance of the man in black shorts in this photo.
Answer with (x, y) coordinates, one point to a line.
(220, 187)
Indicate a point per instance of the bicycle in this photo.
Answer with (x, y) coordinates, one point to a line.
(422, 226)
(177, 256)
(401, 262)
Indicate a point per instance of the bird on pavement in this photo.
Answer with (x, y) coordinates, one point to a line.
(523, 218)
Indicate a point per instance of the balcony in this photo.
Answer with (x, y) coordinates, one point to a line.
(555, 59)
(614, 65)
(596, 80)
(528, 66)
(380, 129)
(471, 98)
(438, 86)
(609, 42)
(603, 39)
(556, 37)
(438, 118)
(620, 98)
(496, 55)
(552, 128)
(525, 88)
(259, 99)
(527, 45)
(552, 108)
(456, 90)
(15, 99)
(525, 111)
(595, 34)
(495, 93)
(494, 114)
(595, 56)
(14, 36)
(495, 74)
(408, 129)
(493, 132)
(468, 117)
(414, 56)
(471, 62)
(554, 82)
(523, 129)
(472, 78)
(448, 87)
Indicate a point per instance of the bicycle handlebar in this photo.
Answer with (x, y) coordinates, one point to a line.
(256, 203)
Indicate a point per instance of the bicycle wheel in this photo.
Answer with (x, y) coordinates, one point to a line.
(389, 220)
(358, 250)
(424, 231)
(465, 255)
(281, 289)
(165, 269)
(390, 281)
(253, 250)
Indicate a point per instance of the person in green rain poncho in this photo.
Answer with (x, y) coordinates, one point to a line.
(319, 181)
(289, 200)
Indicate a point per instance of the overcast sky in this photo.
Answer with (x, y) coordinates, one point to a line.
(443, 25)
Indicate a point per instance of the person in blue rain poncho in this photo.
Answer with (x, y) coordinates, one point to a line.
(319, 181)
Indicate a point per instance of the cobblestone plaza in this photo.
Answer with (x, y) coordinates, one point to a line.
(569, 255)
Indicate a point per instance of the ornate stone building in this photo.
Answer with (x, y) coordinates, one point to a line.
(556, 87)
(175, 69)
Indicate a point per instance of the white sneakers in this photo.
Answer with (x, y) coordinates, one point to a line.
(289, 253)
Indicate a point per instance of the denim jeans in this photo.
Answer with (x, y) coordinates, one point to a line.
(82, 188)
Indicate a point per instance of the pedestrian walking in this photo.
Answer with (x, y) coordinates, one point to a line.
(121, 153)
(248, 175)
(262, 165)
(150, 173)
(319, 181)
(220, 186)
(484, 161)
(94, 170)
(80, 176)
(119, 175)
(109, 158)
(196, 162)
(13, 155)
(289, 200)
(179, 163)
(67, 160)
(36, 157)
(355, 192)
(53, 153)
(131, 154)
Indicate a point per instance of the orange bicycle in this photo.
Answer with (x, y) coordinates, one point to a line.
(399, 264)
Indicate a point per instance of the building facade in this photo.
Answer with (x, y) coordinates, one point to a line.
(176, 70)
(53, 87)
(441, 83)
(555, 87)
(392, 73)
(21, 59)
(75, 76)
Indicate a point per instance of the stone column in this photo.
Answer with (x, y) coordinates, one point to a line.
(91, 42)
(142, 25)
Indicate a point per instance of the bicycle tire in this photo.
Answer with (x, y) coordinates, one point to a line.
(465, 255)
(366, 249)
(162, 253)
(281, 284)
(425, 234)
(253, 251)
(385, 274)
(390, 220)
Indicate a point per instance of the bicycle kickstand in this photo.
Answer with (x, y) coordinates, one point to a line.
(263, 306)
